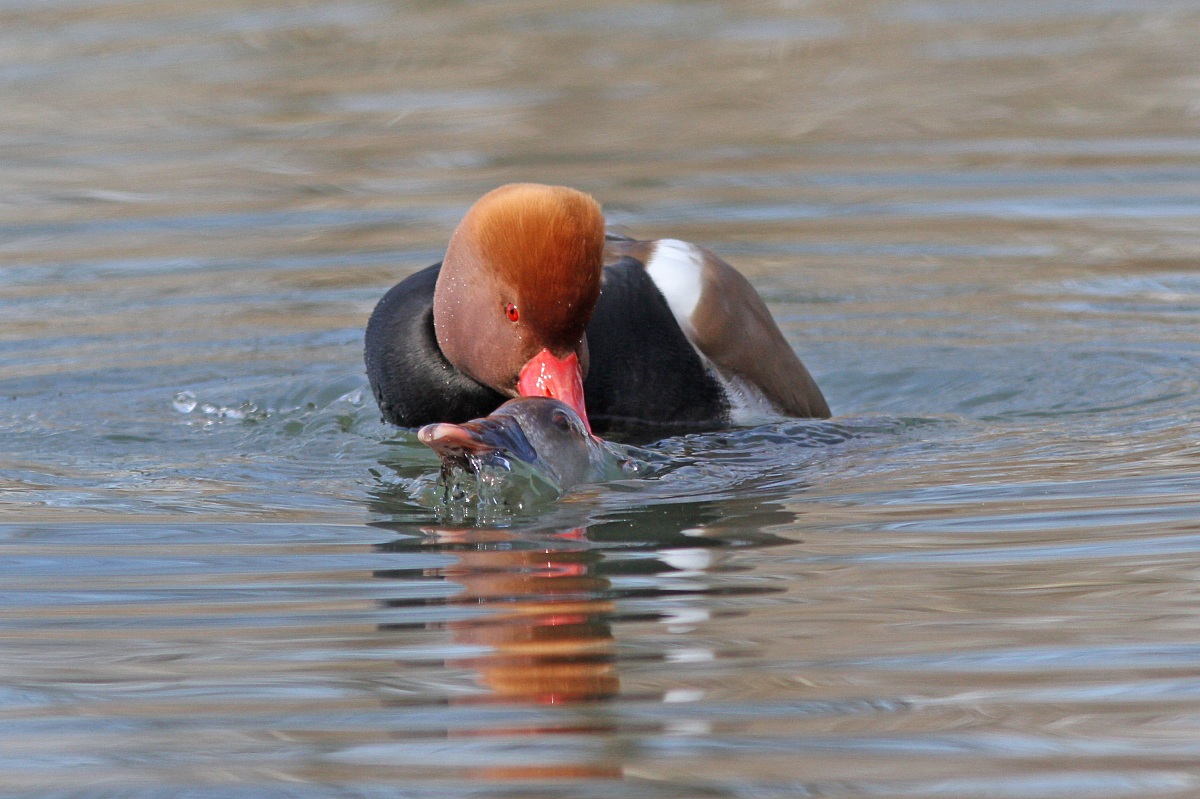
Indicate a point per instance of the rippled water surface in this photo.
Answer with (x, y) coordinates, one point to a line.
(979, 224)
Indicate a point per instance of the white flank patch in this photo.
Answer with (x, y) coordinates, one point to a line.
(676, 268)
(748, 405)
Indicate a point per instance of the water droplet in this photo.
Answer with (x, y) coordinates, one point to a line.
(354, 397)
(184, 402)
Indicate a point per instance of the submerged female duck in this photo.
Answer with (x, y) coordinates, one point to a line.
(532, 299)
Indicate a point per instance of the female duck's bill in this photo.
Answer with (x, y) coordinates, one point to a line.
(547, 434)
(479, 441)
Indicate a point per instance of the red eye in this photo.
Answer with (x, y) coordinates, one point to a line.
(512, 312)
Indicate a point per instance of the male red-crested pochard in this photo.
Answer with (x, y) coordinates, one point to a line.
(533, 299)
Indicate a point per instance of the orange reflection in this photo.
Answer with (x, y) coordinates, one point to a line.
(548, 638)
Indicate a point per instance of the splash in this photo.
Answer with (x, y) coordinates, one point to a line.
(185, 402)
(299, 401)
(490, 489)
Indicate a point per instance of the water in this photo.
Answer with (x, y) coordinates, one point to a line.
(977, 222)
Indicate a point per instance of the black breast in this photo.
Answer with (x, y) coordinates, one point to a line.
(413, 382)
(645, 376)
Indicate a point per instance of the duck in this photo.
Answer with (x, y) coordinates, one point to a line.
(548, 435)
(536, 298)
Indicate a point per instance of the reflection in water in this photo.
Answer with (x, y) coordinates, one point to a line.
(549, 639)
(550, 602)
(546, 638)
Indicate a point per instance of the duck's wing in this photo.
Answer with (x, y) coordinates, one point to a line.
(727, 321)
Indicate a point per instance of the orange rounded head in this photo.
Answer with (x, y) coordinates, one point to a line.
(517, 289)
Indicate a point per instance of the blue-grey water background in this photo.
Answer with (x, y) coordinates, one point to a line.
(978, 223)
